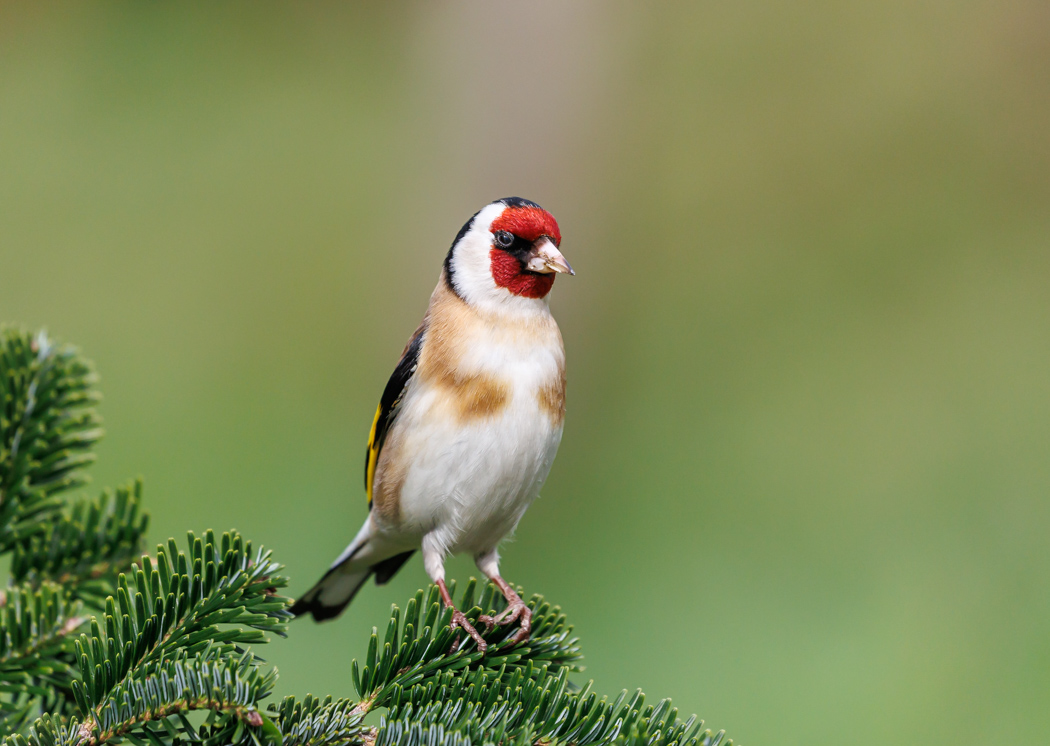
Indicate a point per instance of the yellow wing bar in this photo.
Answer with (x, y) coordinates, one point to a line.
(373, 455)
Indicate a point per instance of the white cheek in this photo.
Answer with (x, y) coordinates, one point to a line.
(471, 265)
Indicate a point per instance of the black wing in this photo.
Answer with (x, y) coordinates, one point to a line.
(388, 406)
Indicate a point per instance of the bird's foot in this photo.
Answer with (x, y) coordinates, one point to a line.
(516, 611)
(460, 621)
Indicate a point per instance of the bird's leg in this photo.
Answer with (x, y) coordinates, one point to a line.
(488, 563)
(434, 548)
(459, 619)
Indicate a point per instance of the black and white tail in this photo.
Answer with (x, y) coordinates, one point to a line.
(331, 594)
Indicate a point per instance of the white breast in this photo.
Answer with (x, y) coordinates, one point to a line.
(470, 481)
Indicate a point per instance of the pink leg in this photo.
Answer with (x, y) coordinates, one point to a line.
(458, 618)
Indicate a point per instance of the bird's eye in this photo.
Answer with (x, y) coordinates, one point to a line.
(504, 239)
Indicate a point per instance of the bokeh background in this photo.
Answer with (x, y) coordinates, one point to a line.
(804, 487)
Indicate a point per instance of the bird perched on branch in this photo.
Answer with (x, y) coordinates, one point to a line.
(469, 423)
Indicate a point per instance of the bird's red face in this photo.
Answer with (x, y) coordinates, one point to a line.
(524, 257)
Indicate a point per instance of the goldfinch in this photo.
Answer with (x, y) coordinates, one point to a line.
(469, 422)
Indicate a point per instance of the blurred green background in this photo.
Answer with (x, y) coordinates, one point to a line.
(804, 487)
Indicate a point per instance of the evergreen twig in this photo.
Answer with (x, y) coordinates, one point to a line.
(47, 427)
(35, 647)
(85, 549)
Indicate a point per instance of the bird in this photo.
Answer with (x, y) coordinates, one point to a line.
(469, 422)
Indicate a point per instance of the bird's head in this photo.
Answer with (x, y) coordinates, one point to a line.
(506, 256)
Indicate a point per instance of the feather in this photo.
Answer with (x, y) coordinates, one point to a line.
(389, 403)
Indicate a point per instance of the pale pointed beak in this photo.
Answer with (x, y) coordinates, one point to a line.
(546, 258)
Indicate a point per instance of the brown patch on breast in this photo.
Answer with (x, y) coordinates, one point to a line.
(480, 396)
(471, 394)
(551, 397)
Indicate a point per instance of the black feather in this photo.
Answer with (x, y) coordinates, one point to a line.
(518, 202)
(449, 272)
(395, 389)
(311, 603)
(388, 568)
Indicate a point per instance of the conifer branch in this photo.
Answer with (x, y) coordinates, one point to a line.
(420, 649)
(48, 730)
(228, 688)
(513, 694)
(47, 427)
(184, 609)
(317, 722)
(36, 625)
(85, 549)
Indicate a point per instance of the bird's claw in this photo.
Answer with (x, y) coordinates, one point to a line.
(515, 611)
(460, 621)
